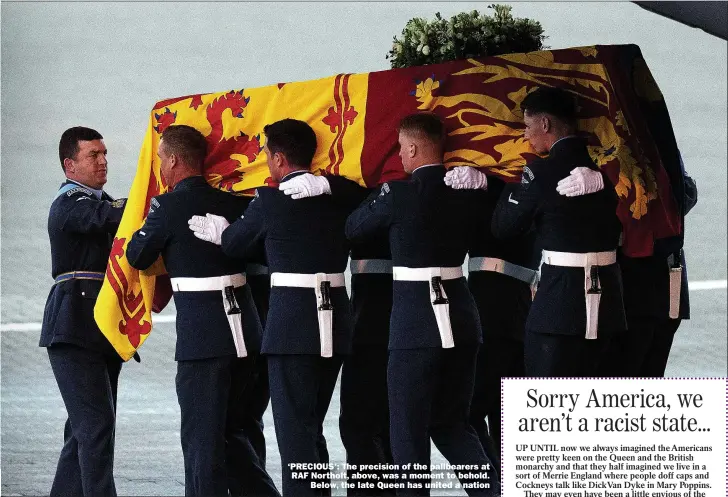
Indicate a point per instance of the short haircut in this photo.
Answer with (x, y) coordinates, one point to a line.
(293, 138)
(68, 146)
(425, 125)
(555, 102)
(187, 144)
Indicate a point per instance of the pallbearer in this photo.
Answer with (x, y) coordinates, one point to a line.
(218, 330)
(435, 330)
(364, 416)
(578, 306)
(308, 330)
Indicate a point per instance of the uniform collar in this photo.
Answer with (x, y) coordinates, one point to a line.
(429, 171)
(190, 182)
(566, 141)
(97, 193)
(292, 174)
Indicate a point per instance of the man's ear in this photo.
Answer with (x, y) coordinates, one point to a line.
(68, 165)
(280, 160)
(412, 150)
(546, 124)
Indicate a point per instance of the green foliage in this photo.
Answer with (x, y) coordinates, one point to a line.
(465, 35)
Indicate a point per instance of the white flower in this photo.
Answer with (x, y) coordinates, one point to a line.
(425, 50)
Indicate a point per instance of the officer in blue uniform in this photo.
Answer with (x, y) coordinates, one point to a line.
(81, 225)
(308, 330)
(502, 275)
(218, 329)
(364, 409)
(578, 306)
(434, 328)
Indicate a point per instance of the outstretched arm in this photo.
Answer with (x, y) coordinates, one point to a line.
(373, 216)
(517, 207)
(147, 243)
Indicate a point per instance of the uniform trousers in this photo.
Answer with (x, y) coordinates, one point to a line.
(364, 417)
(642, 350)
(555, 355)
(301, 387)
(260, 395)
(214, 400)
(88, 382)
(430, 391)
(500, 356)
(259, 400)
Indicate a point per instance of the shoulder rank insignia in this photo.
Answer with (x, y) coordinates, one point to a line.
(385, 189)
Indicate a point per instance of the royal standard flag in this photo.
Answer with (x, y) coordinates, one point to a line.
(355, 116)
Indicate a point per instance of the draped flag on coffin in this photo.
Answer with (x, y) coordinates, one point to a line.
(355, 117)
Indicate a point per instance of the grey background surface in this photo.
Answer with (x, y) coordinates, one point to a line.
(104, 65)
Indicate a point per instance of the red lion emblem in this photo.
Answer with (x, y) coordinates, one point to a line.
(164, 120)
(131, 305)
(220, 168)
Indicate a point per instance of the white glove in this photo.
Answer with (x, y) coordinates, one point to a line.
(466, 178)
(305, 185)
(208, 228)
(581, 181)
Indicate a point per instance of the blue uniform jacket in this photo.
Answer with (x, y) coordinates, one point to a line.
(503, 299)
(299, 236)
(81, 229)
(578, 224)
(203, 330)
(371, 294)
(428, 224)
